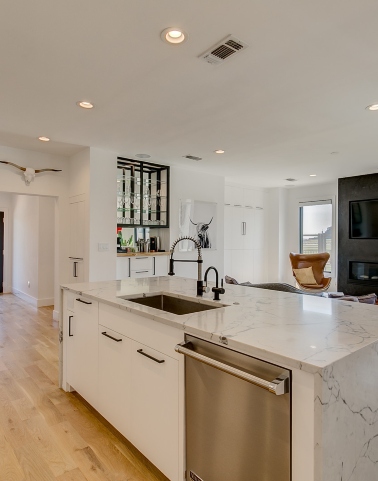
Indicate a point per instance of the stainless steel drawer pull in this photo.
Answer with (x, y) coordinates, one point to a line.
(278, 386)
(137, 258)
(84, 302)
(69, 326)
(160, 361)
(111, 337)
(140, 272)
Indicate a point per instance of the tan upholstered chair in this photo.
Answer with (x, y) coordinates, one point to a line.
(318, 263)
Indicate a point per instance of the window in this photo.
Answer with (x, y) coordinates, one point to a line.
(316, 228)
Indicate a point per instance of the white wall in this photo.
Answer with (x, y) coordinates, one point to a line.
(186, 184)
(25, 246)
(103, 212)
(33, 248)
(6, 207)
(46, 250)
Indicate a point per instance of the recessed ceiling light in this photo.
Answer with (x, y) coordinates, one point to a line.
(143, 156)
(220, 151)
(372, 107)
(44, 139)
(312, 175)
(85, 105)
(173, 35)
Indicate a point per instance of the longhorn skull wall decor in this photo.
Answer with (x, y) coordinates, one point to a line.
(29, 172)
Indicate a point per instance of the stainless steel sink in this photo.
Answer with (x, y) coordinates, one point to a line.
(173, 304)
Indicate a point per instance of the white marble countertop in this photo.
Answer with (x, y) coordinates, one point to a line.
(305, 332)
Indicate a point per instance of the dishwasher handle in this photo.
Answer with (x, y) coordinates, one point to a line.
(279, 385)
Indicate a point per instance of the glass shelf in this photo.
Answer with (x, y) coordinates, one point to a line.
(138, 181)
(142, 193)
(143, 211)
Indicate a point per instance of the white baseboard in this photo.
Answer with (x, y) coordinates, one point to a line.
(49, 301)
(32, 300)
(55, 315)
(25, 297)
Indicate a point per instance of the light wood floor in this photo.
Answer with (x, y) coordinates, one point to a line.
(45, 433)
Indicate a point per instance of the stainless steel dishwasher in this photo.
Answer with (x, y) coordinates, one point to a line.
(238, 415)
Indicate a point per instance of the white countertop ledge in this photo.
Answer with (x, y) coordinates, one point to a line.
(304, 332)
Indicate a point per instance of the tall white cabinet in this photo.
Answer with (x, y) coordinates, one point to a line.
(244, 227)
(77, 239)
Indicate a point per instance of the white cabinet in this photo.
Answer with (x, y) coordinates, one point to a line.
(76, 270)
(83, 349)
(244, 233)
(114, 378)
(142, 266)
(123, 268)
(126, 367)
(161, 265)
(154, 406)
(76, 239)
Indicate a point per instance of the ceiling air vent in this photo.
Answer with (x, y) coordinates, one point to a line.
(223, 50)
(192, 157)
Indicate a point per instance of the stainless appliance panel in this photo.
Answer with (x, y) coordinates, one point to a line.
(235, 430)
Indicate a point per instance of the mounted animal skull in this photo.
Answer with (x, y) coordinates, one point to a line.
(29, 172)
(202, 233)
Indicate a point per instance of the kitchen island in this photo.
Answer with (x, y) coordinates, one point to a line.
(330, 346)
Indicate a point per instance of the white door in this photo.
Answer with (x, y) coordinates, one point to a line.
(259, 229)
(248, 227)
(228, 226)
(155, 413)
(237, 238)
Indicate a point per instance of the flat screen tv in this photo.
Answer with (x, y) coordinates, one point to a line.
(363, 219)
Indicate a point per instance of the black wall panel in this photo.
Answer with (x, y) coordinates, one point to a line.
(362, 187)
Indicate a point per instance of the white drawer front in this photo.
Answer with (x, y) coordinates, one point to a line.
(142, 263)
(142, 273)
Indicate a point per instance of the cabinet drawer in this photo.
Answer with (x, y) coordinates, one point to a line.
(142, 263)
(161, 337)
(86, 306)
(142, 273)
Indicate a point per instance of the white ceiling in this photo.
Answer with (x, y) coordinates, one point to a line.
(279, 108)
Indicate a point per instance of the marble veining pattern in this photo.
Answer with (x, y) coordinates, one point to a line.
(304, 332)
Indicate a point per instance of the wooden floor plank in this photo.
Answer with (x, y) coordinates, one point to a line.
(10, 469)
(25, 409)
(11, 423)
(74, 475)
(58, 460)
(34, 467)
(45, 433)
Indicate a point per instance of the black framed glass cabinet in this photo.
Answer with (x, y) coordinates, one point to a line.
(142, 194)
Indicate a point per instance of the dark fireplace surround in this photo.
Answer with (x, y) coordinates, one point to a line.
(357, 258)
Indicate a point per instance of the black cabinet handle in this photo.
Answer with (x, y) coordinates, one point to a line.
(140, 351)
(111, 337)
(84, 302)
(140, 272)
(75, 269)
(69, 326)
